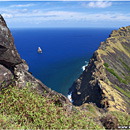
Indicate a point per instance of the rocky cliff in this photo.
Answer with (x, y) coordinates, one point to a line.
(14, 70)
(106, 79)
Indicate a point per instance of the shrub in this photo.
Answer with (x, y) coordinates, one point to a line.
(115, 74)
(109, 121)
(122, 91)
(125, 65)
(106, 65)
(24, 109)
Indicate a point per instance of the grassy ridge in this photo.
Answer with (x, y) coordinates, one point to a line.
(115, 74)
(125, 65)
(26, 109)
(122, 91)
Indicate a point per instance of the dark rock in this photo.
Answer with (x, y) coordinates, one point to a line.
(98, 82)
(6, 76)
(109, 121)
(12, 67)
(86, 87)
(8, 53)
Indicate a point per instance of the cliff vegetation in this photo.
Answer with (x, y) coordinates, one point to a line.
(101, 94)
(26, 109)
(106, 79)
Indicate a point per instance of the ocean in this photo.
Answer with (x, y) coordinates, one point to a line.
(65, 52)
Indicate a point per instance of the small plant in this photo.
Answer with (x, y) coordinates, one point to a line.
(122, 91)
(125, 65)
(26, 109)
(109, 121)
(91, 108)
(126, 47)
(115, 74)
(123, 118)
(127, 78)
(125, 82)
(106, 65)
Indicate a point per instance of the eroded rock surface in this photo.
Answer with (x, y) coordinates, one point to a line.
(106, 79)
(13, 69)
(8, 53)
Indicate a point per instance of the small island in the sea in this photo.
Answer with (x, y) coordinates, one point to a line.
(82, 81)
(39, 50)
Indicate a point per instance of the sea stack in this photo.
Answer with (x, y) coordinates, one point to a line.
(14, 70)
(39, 50)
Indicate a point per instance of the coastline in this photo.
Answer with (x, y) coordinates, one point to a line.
(70, 94)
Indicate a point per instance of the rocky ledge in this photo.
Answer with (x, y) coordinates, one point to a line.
(106, 79)
(14, 70)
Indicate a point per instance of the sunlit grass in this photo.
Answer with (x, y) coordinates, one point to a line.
(26, 109)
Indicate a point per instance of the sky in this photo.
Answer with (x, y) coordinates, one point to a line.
(48, 14)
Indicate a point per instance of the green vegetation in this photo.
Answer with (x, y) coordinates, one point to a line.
(126, 93)
(129, 30)
(123, 119)
(115, 74)
(125, 65)
(25, 109)
(127, 78)
(126, 47)
(91, 108)
(106, 65)
(125, 82)
(114, 119)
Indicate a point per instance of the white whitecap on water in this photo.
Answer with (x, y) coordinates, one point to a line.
(83, 67)
(69, 97)
(70, 94)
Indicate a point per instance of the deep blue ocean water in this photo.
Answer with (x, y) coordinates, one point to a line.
(65, 51)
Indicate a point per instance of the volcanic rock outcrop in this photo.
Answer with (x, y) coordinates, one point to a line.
(14, 70)
(106, 79)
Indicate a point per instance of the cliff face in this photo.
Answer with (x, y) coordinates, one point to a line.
(106, 79)
(14, 70)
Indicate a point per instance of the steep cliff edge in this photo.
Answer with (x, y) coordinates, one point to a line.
(14, 70)
(106, 79)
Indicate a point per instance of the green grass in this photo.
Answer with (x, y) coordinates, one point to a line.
(111, 120)
(125, 65)
(115, 74)
(127, 78)
(24, 109)
(123, 119)
(106, 65)
(122, 91)
(91, 108)
(126, 47)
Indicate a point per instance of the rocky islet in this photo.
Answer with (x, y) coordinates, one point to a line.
(14, 70)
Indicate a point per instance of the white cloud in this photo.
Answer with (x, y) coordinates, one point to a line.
(97, 4)
(25, 5)
(39, 16)
(6, 15)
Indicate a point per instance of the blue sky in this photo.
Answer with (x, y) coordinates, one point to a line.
(33, 14)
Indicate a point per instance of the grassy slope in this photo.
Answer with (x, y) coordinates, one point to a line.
(115, 64)
(25, 109)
